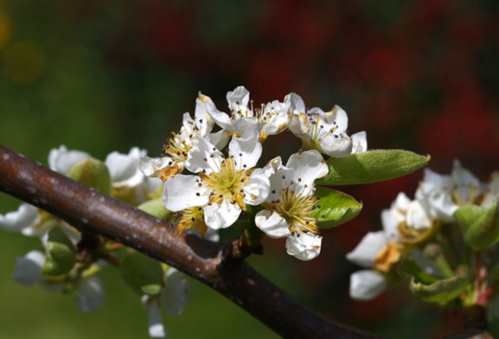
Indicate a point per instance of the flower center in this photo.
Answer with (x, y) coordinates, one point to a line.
(192, 218)
(297, 210)
(228, 183)
(387, 257)
(410, 235)
(177, 147)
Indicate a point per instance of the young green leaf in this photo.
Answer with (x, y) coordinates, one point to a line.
(141, 272)
(479, 225)
(372, 166)
(335, 207)
(92, 173)
(440, 292)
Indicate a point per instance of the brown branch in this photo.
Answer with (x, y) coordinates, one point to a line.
(214, 265)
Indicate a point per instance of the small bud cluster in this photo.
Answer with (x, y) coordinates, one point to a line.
(443, 241)
(68, 261)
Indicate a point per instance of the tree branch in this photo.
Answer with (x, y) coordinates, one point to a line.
(216, 266)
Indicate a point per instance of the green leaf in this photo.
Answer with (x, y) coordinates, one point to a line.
(140, 271)
(92, 173)
(335, 208)
(60, 259)
(440, 292)
(156, 208)
(479, 225)
(372, 166)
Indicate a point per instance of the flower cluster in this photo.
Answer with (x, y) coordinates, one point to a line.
(210, 190)
(67, 262)
(425, 239)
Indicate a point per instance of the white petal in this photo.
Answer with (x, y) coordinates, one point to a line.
(151, 166)
(90, 294)
(391, 219)
(246, 149)
(204, 156)
(155, 320)
(124, 168)
(238, 99)
(223, 215)
(221, 119)
(202, 115)
(366, 251)
(306, 167)
(220, 139)
(359, 142)
(340, 118)
(275, 117)
(272, 224)
(299, 125)
(24, 217)
(304, 246)
(366, 285)
(402, 202)
(417, 216)
(61, 159)
(257, 188)
(28, 270)
(336, 144)
(185, 191)
(295, 102)
(174, 294)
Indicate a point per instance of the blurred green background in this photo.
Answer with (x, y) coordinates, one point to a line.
(108, 75)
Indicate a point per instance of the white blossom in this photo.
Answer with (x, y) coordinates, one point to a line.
(124, 168)
(28, 269)
(90, 294)
(62, 160)
(171, 299)
(288, 208)
(178, 146)
(443, 194)
(270, 119)
(222, 187)
(324, 131)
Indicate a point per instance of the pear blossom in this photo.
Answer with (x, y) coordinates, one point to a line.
(129, 182)
(171, 300)
(29, 272)
(177, 148)
(222, 187)
(62, 160)
(407, 220)
(377, 253)
(124, 168)
(90, 294)
(270, 119)
(28, 269)
(443, 194)
(324, 131)
(288, 208)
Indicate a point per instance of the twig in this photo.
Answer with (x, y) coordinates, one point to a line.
(98, 214)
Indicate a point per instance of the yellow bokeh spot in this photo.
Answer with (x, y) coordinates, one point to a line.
(23, 62)
(5, 29)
